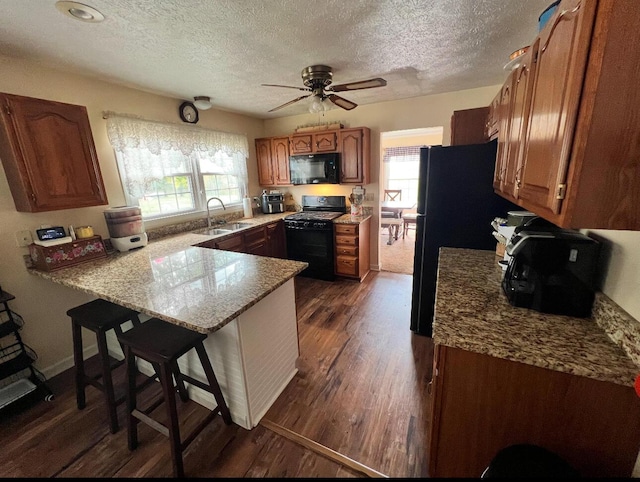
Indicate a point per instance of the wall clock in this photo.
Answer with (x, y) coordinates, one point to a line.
(188, 112)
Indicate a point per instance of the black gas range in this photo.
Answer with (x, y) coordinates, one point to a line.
(310, 234)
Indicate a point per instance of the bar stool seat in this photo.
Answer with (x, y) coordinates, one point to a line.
(99, 316)
(162, 344)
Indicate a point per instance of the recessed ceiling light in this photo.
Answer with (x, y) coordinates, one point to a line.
(80, 11)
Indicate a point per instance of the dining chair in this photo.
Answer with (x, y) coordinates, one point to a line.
(408, 220)
(393, 194)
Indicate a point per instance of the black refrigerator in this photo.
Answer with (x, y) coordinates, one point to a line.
(456, 204)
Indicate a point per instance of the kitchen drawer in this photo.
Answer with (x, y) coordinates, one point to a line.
(346, 240)
(347, 265)
(234, 243)
(346, 229)
(347, 250)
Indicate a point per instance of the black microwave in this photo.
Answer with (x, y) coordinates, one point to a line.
(315, 168)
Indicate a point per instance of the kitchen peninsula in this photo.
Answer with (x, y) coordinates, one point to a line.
(504, 375)
(245, 303)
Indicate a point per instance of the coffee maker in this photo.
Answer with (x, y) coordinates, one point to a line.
(552, 270)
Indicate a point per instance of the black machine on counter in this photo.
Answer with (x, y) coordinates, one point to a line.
(551, 270)
(272, 202)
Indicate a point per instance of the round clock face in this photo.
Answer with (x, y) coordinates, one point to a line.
(188, 112)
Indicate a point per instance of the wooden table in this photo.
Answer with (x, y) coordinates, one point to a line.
(394, 224)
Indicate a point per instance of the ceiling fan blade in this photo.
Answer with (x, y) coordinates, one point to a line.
(342, 102)
(286, 86)
(363, 84)
(290, 102)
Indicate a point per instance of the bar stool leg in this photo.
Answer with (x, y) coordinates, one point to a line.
(107, 381)
(213, 383)
(132, 422)
(172, 412)
(78, 360)
(182, 390)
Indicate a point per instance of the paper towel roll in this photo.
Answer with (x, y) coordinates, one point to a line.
(248, 210)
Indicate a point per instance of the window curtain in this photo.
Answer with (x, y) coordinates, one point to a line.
(401, 154)
(147, 151)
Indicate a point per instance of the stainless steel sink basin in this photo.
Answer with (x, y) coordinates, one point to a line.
(213, 231)
(236, 226)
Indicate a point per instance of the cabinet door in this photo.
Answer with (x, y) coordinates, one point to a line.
(280, 160)
(255, 241)
(493, 117)
(325, 142)
(276, 240)
(504, 109)
(469, 126)
(516, 139)
(355, 153)
(301, 144)
(560, 67)
(49, 156)
(263, 155)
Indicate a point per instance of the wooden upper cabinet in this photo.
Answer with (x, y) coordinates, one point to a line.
(309, 143)
(263, 155)
(469, 126)
(504, 108)
(560, 63)
(355, 148)
(280, 159)
(272, 154)
(48, 154)
(514, 108)
(574, 124)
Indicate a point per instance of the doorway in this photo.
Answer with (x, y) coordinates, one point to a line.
(400, 155)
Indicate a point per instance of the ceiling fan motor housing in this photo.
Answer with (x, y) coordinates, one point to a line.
(317, 76)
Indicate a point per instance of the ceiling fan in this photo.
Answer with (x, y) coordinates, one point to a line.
(317, 79)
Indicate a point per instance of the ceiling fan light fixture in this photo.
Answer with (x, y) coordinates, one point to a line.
(318, 104)
(80, 11)
(202, 102)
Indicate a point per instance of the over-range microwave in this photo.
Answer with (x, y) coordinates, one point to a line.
(315, 168)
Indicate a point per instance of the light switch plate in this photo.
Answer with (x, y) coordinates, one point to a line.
(24, 238)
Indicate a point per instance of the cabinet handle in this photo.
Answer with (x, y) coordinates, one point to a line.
(557, 21)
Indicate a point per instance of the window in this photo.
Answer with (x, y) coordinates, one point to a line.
(401, 170)
(170, 169)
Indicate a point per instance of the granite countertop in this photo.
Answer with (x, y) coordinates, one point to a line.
(198, 288)
(473, 313)
(350, 219)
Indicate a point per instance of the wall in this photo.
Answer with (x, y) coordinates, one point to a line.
(43, 304)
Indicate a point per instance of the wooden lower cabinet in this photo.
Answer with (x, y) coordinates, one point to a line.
(267, 240)
(481, 404)
(352, 249)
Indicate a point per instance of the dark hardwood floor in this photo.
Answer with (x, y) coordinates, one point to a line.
(361, 391)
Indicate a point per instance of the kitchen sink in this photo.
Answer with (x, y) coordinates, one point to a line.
(236, 226)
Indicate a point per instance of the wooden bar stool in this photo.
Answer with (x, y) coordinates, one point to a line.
(99, 316)
(161, 344)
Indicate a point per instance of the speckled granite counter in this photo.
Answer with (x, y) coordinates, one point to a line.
(350, 219)
(472, 313)
(198, 288)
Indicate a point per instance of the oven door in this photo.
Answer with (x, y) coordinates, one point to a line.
(313, 246)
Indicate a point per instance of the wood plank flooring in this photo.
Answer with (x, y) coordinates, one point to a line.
(361, 391)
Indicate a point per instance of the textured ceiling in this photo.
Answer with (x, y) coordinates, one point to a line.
(226, 48)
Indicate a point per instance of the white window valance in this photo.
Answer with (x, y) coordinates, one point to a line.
(147, 151)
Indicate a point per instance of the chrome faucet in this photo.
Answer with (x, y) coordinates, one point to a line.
(208, 215)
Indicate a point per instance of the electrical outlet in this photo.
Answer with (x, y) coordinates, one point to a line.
(368, 196)
(23, 238)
